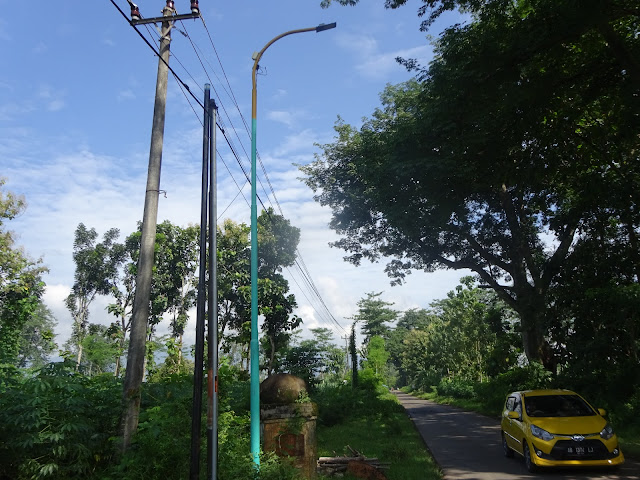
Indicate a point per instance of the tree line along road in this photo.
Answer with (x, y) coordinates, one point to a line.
(466, 446)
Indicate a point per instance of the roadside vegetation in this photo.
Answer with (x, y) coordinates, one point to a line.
(512, 157)
(370, 421)
(62, 424)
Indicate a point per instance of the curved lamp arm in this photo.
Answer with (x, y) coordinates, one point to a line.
(254, 352)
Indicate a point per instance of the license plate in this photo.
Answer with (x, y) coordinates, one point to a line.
(579, 450)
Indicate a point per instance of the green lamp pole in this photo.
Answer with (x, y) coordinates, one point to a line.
(254, 355)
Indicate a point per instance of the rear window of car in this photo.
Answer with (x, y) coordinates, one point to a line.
(557, 406)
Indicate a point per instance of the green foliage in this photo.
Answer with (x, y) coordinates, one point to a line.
(493, 392)
(315, 361)
(37, 338)
(373, 423)
(97, 270)
(374, 315)
(160, 448)
(368, 379)
(57, 424)
(516, 142)
(456, 387)
(21, 285)
(339, 403)
(468, 335)
(60, 424)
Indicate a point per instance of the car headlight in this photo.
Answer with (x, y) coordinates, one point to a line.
(541, 433)
(607, 432)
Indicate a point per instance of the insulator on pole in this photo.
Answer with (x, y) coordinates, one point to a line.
(135, 12)
(195, 8)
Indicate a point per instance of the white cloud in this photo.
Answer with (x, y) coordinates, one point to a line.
(54, 297)
(125, 95)
(11, 110)
(54, 98)
(380, 65)
(371, 62)
(55, 105)
(279, 94)
(287, 118)
(297, 142)
(362, 45)
(40, 48)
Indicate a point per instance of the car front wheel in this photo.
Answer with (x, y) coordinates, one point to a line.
(528, 462)
(505, 448)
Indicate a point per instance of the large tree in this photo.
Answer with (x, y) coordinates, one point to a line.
(173, 284)
(234, 308)
(21, 284)
(501, 153)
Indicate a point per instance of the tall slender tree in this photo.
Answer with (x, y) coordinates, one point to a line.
(97, 271)
(277, 249)
(375, 316)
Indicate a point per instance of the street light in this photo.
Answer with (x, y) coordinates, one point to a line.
(254, 355)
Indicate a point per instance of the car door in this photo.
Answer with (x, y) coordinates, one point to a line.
(513, 427)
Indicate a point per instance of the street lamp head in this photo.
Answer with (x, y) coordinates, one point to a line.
(322, 27)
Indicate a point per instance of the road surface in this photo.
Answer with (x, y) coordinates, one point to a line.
(467, 446)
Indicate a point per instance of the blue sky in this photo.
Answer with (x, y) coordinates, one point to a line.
(77, 86)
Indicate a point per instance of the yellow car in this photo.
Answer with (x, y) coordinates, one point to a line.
(553, 428)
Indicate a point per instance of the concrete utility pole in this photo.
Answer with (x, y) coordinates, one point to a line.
(140, 315)
(346, 352)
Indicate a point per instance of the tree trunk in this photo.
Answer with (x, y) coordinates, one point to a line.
(79, 357)
(272, 354)
(536, 346)
(119, 357)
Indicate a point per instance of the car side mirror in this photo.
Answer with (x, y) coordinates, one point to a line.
(602, 412)
(513, 415)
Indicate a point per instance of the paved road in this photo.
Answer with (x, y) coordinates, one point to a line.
(466, 445)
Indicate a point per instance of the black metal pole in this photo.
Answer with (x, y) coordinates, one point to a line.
(212, 419)
(196, 412)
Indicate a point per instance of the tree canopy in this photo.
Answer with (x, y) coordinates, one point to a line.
(518, 140)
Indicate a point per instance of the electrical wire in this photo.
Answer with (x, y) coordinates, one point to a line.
(299, 264)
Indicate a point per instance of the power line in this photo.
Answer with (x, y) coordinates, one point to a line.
(299, 264)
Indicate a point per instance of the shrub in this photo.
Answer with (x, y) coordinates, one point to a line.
(456, 387)
(57, 424)
(493, 393)
(339, 404)
(368, 379)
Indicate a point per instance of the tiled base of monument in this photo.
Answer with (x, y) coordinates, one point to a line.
(290, 431)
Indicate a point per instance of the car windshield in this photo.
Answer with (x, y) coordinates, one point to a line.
(557, 406)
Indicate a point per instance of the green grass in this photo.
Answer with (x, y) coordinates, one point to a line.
(389, 436)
